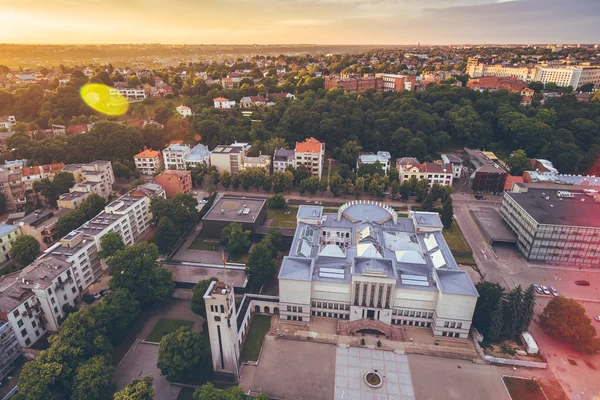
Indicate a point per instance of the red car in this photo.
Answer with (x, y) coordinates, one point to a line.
(582, 283)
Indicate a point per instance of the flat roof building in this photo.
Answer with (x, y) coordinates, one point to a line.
(175, 182)
(488, 173)
(229, 158)
(384, 158)
(556, 226)
(250, 212)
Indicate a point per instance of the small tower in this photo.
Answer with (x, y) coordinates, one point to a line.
(223, 330)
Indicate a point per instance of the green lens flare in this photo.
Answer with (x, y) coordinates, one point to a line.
(104, 99)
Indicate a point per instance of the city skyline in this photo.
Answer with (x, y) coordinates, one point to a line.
(366, 22)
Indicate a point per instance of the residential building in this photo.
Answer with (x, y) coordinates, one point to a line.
(441, 174)
(199, 154)
(554, 226)
(175, 182)
(72, 200)
(8, 235)
(383, 157)
(540, 177)
(129, 93)
(250, 212)
(494, 83)
(7, 122)
(96, 177)
(229, 158)
(510, 181)
(12, 187)
(41, 224)
(367, 265)
(174, 156)
(34, 299)
(311, 154)
(251, 101)
(262, 161)
(488, 173)
(148, 161)
(456, 161)
(184, 111)
(353, 83)
(76, 129)
(149, 189)
(397, 83)
(280, 96)
(10, 351)
(283, 158)
(523, 73)
(223, 103)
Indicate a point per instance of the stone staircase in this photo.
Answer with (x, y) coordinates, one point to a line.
(389, 331)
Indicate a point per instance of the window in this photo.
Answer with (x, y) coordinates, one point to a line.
(222, 309)
(49, 291)
(446, 324)
(212, 308)
(20, 323)
(412, 314)
(418, 315)
(430, 315)
(55, 310)
(299, 309)
(65, 296)
(444, 333)
(459, 325)
(73, 289)
(52, 300)
(24, 332)
(27, 342)
(217, 318)
(289, 308)
(452, 324)
(294, 309)
(33, 324)
(37, 333)
(16, 313)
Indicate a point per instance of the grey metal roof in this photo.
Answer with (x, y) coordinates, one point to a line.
(297, 269)
(6, 229)
(198, 153)
(427, 219)
(310, 212)
(456, 282)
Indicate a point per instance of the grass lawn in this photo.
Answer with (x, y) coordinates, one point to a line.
(177, 101)
(281, 219)
(455, 239)
(165, 326)
(238, 258)
(523, 389)
(256, 335)
(200, 244)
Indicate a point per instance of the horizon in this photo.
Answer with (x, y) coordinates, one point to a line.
(317, 22)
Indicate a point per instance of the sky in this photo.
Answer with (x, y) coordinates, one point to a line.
(300, 21)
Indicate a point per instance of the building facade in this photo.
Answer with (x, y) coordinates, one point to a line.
(433, 173)
(229, 158)
(8, 235)
(384, 158)
(488, 174)
(311, 154)
(10, 350)
(263, 161)
(41, 224)
(148, 161)
(366, 263)
(283, 158)
(96, 177)
(175, 182)
(174, 156)
(555, 226)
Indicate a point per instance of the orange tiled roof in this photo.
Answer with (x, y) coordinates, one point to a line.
(148, 153)
(510, 179)
(310, 145)
(28, 171)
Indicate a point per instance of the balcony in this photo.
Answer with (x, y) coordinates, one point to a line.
(60, 284)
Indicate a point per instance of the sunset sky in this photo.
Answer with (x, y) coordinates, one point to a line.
(299, 21)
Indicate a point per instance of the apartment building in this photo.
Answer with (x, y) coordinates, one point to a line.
(282, 158)
(397, 83)
(262, 161)
(175, 182)
(41, 224)
(8, 235)
(148, 161)
(96, 177)
(174, 156)
(383, 157)
(441, 174)
(12, 188)
(229, 158)
(29, 175)
(34, 299)
(128, 93)
(311, 154)
(72, 200)
(10, 351)
(523, 73)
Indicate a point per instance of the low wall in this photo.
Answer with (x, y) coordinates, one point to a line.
(519, 363)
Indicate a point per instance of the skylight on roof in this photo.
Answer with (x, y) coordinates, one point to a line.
(303, 249)
(414, 283)
(438, 260)
(430, 242)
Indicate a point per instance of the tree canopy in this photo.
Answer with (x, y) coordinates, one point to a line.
(184, 356)
(25, 249)
(565, 319)
(198, 303)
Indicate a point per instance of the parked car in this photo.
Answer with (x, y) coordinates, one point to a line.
(597, 318)
(553, 291)
(104, 292)
(582, 283)
(546, 290)
(479, 196)
(538, 289)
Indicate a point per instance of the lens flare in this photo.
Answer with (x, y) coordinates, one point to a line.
(104, 99)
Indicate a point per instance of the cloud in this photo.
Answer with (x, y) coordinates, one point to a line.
(304, 22)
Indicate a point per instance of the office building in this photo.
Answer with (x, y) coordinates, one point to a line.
(488, 173)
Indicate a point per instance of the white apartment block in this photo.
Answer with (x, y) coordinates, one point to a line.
(384, 158)
(441, 174)
(223, 103)
(32, 300)
(311, 154)
(148, 161)
(131, 94)
(229, 158)
(262, 161)
(10, 350)
(96, 177)
(174, 156)
(522, 73)
(283, 158)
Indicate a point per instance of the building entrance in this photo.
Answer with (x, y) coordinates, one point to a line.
(371, 314)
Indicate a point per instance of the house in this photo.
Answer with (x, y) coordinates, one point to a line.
(184, 111)
(174, 156)
(7, 122)
(129, 93)
(456, 161)
(441, 174)
(229, 158)
(280, 96)
(96, 177)
(41, 224)
(148, 161)
(311, 154)
(250, 101)
(262, 161)
(175, 182)
(198, 155)
(75, 129)
(383, 157)
(283, 158)
(223, 103)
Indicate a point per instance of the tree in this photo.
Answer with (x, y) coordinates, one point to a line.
(226, 179)
(565, 319)
(25, 249)
(512, 308)
(421, 190)
(40, 380)
(527, 308)
(404, 190)
(198, 304)
(208, 391)
(167, 235)
(136, 269)
(489, 296)
(427, 204)
(261, 265)
(494, 330)
(235, 238)
(137, 390)
(277, 201)
(63, 181)
(447, 212)
(92, 206)
(335, 184)
(70, 221)
(311, 184)
(93, 380)
(184, 356)
(110, 244)
(596, 96)
(359, 186)
(519, 163)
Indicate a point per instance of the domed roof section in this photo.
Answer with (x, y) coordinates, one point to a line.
(367, 211)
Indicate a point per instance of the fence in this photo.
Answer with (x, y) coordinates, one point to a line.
(508, 361)
(10, 394)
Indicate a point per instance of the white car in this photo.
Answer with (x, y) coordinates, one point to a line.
(554, 291)
(597, 318)
(538, 289)
(546, 290)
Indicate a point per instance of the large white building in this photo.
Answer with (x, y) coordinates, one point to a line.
(229, 158)
(383, 157)
(366, 263)
(96, 177)
(441, 174)
(174, 156)
(311, 154)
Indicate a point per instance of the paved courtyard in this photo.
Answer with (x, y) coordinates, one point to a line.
(353, 363)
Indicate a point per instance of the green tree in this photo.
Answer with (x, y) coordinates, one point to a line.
(512, 308)
(41, 380)
(404, 190)
(527, 308)
(226, 180)
(489, 296)
(110, 244)
(494, 330)
(70, 221)
(312, 184)
(261, 265)
(519, 163)
(447, 212)
(421, 190)
(235, 238)
(137, 390)
(596, 96)
(92, 206)
(136, 269)
(63, 181)
(93, 380)
(116, 313)
(359, 186)
(277, 201)
(198, 305)
(427, 204)
(167, 235)
(208, 391)
(565, 319)
(335, 184)
(25, 249)
(184, 356)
